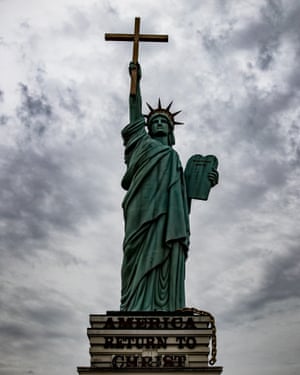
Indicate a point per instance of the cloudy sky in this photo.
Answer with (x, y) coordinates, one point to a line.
(233, 69)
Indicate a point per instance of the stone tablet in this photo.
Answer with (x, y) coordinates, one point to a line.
(196, 174)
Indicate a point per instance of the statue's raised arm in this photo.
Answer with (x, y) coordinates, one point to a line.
(135, 99)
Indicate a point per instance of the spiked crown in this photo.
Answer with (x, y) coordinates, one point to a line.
(163, 111)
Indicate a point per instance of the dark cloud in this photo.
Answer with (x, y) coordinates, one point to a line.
(266, 55)
(3, 119)
(294, 82)
(273, 16)
(35, 111)
(277, 286)
(45, 313)
(217, 42)
(276, 22)
(259, 124)
(42, 191)
(31, 321)
(292, 25)
(281, 280)
(264, 34)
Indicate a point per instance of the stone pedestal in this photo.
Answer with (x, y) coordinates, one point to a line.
(150, 342)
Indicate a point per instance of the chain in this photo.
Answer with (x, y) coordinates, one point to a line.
(213, 356)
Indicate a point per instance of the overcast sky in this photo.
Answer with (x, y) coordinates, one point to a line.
(233, 69)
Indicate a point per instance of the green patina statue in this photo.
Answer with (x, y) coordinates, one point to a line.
(158, 199)
(156, 211)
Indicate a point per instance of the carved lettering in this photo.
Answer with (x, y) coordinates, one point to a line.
(139, 342)
(174, 361)
(179, 339)
(138, 361)
(132, 360)
(141, 323)
(190, 324)
(119, 343)
(146, 361)
(162, 342)
(122, 342)
(186, 341)
(117, 361)
(126, 323)
(191, 342)
(108, 342)
(150, 323)
(150, 342)
(177, 323)
(109, 324)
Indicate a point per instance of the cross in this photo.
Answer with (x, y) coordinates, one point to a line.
(136, 38)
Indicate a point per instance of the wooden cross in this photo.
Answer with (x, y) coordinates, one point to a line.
(136, 38)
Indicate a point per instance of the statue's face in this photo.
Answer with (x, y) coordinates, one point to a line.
(159, 126)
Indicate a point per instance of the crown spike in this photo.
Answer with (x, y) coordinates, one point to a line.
(178, 123)
(169, 106)
(176, 113)
(149, 106)
(159, 103)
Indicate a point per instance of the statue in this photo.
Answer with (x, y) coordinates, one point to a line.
(155, 212)
(157, 203)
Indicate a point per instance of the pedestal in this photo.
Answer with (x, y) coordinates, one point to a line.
(149, 342)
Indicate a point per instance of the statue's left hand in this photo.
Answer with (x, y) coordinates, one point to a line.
(213, 177)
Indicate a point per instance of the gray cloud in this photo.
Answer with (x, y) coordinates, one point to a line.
(272, 16)
(40, 194)
(34, 321)
(266, 55)
(35, 112)
(3, 119)
(69, 101)
(279, 284)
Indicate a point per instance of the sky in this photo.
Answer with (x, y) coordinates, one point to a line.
(232, 67)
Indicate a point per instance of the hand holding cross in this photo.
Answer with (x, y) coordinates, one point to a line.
(136, 38)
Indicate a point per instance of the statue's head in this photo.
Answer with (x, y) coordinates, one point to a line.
(161, 122)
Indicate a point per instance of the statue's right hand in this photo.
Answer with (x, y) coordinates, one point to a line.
(133, 66)
(213, 177)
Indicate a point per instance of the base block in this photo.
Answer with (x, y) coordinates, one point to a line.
(152, 342)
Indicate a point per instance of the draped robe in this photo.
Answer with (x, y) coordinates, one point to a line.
(156, 224)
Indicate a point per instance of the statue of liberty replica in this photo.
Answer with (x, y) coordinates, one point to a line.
(153, 331)
(155, 211)
(157, 203)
